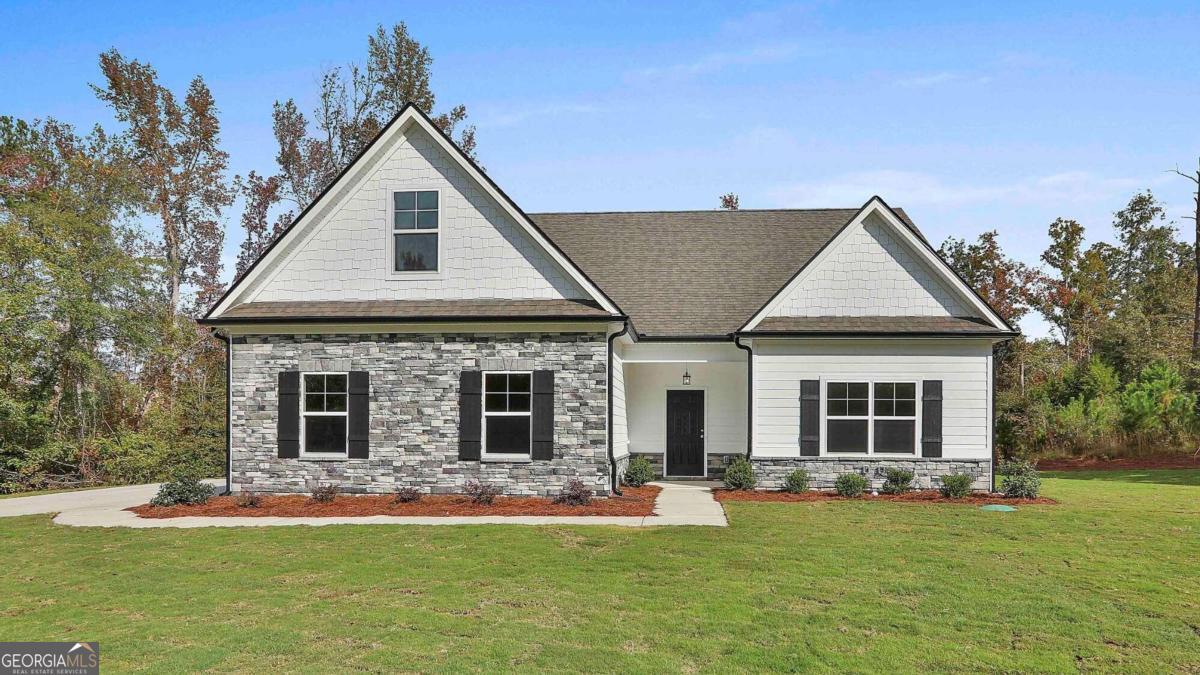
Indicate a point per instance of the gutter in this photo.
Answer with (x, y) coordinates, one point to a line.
(228, 410)
(737, 341)
(612, 460)
(234, 320)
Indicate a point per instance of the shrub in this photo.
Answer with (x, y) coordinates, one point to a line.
(481, 493)
(956, 485)
(1021, 479)
(574, 493)
(796, 481)
(850, 485)
(407, 495)
(324, 494)
(182, 490)
(639, 472)
(739, 475)
(1158, 402)
(897, 481)
(248, 500)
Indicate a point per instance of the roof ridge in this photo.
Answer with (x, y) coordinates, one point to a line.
(604, 213)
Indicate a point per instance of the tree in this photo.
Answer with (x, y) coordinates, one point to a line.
(729, 201)
(1196, 262)
(180, 167)
(1006, 284)
(259, 194)
(1076, 297)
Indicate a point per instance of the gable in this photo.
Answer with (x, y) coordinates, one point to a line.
(338, 249)
(871, 273)
(876, 266)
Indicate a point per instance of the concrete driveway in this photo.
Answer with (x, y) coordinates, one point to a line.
(103, 499)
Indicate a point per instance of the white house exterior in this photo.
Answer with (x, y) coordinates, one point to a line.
(415, 327)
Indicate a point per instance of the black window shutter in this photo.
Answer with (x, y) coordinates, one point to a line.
(470, 413)
(810, 418)
(359, 412)
(931, 418)
(543, 414)
(288, 423)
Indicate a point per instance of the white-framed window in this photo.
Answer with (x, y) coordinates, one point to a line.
(415, 244)
(324, 401)
(507, 417)
(870, 417)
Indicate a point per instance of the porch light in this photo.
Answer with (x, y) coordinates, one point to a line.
(687, 377)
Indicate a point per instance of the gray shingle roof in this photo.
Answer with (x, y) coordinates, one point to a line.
(422, 310)
(942, 325)
(692, 273)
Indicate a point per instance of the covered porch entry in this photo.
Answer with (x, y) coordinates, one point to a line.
(680, 404)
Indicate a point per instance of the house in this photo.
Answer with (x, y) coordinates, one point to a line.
(414, 326)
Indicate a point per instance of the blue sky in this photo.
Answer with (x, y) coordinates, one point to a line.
(972, 116)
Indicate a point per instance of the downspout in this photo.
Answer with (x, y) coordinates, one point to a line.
(228, 410)
(612, 459)
(737, 340)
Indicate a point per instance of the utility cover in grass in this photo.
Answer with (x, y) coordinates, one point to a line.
(997, 507)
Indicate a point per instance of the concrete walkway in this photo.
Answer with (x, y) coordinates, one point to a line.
(677, 504)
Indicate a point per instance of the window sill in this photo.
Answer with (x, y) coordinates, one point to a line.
(507, 459)
(324, 457)
(414, 275)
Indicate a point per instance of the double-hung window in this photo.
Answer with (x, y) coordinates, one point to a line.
(415, 231)
(867, 418)
(506, 414)
(323, 414)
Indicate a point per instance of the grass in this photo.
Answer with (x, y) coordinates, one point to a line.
(1105, 580)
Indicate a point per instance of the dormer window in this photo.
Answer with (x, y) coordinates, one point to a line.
(415, 231)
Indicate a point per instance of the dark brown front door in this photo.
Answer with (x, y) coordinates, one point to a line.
(685, 432)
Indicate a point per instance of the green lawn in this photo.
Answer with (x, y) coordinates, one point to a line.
(1107, 580)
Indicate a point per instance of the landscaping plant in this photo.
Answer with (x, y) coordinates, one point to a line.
(248, 500)
(481, 493)
(897, 481)
(956, 485)
(639, 472)
(739, 475)
(796, 481)
(1021, 479)
(182, 490)
(324, 494)
(407, 495)
(850, 485)
(574, 493)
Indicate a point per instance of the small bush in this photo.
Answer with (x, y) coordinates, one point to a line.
(324, 494)
(407, 495)
(956, 485)
(897, 481)
(248, 500)
(574, 493)
(481, 493)
(850, 485)
(182, 490)
(1021, 479)
(739, 475)
(639, 472)
(796, 481)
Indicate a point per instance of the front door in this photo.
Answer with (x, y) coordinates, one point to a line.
(685, 432)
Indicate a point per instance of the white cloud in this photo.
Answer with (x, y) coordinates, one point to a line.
(716, 61)
(910, 188)
(928, 80)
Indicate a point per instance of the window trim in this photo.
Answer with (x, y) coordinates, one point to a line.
(390, 233)
(918, 385)
(304, 453)
(484, 455)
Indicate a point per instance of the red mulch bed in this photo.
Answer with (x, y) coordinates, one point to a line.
(635, 502)
(914, 496)
(1158, 461)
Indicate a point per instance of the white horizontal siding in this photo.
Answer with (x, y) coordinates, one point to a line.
(724, 385)
(485, 254)
(962, 366)
(620, 430)
(870, 272)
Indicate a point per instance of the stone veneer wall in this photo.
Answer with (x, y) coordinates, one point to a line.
(822, 472)
(414, 410)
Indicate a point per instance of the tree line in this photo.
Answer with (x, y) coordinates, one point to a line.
(110, 248)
